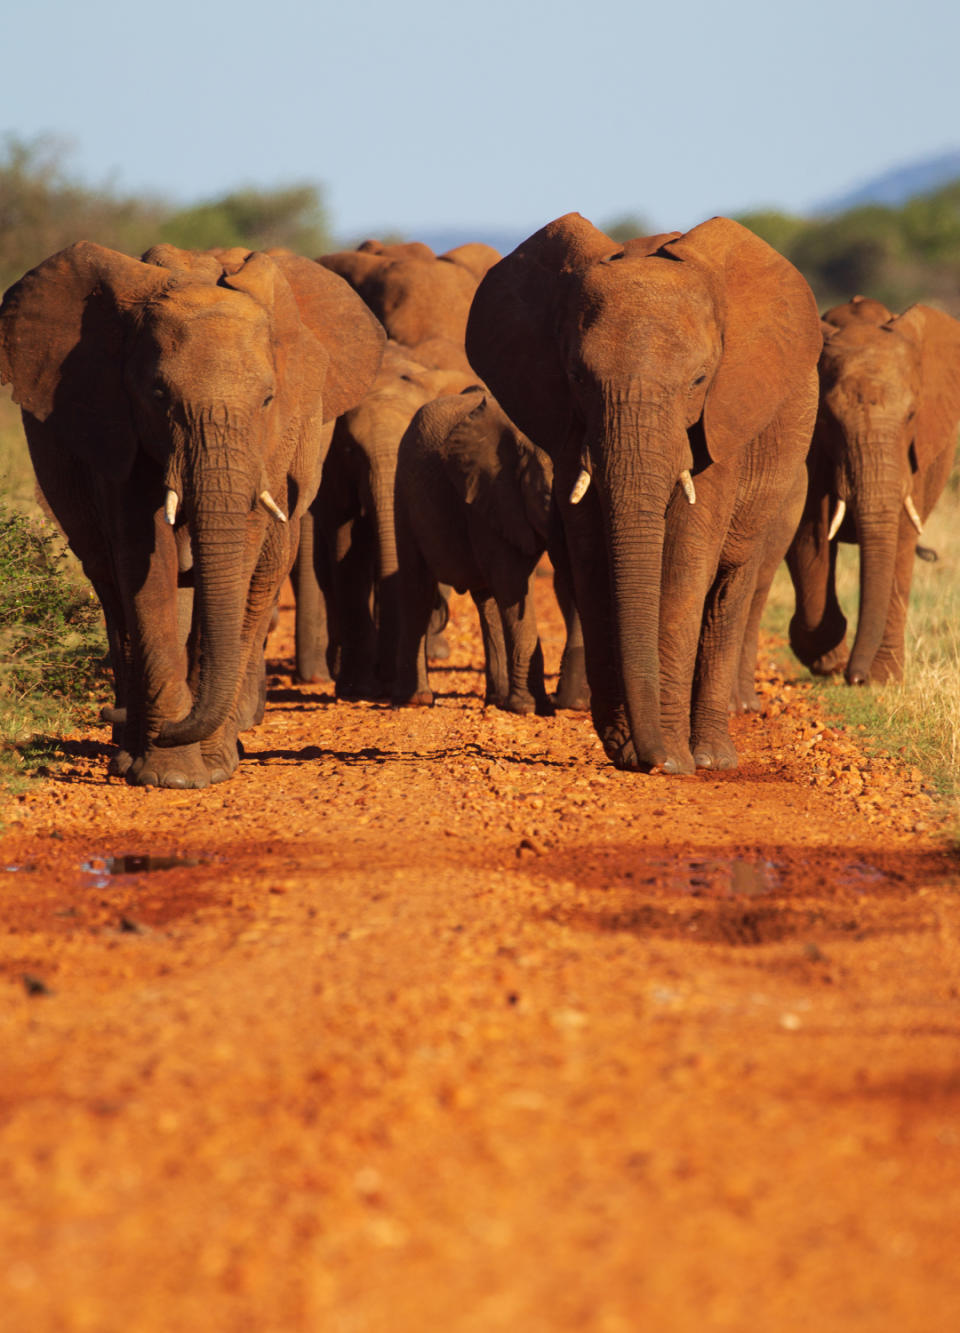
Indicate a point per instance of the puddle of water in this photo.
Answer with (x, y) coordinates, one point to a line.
(719, 876)
(860, 876)
(134, 863)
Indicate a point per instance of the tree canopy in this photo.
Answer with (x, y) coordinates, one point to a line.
(43, 209)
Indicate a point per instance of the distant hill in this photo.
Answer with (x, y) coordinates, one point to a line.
(895, 187)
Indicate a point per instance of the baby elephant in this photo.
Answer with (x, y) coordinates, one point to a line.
(473, 509)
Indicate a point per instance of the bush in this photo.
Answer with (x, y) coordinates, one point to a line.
(52, 642)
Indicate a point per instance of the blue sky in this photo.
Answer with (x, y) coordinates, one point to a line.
(497, 116)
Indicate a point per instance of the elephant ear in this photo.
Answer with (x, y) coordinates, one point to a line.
(771, 330)
(858, 310)
(202, 264)
(62, 334)
(354, 266)
(476, 257)
(492, 486)
(344, 327)
(512, 338)
(938, 410)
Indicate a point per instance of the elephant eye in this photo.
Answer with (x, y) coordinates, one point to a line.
(159, 391)
(268, 400)
(699, 380)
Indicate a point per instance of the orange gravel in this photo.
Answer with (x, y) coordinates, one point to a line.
(437, 1022)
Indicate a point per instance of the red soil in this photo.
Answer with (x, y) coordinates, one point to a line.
(446, 1024)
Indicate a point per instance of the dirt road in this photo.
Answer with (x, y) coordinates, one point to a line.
(445, 1024)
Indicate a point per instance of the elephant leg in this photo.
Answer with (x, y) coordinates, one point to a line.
(572, 689)
(889, 661)
(725, 619)
(497, 681)
(583, 531)
(311, 634)
(744, 698)
(818, 627)
(524, 659)
(691, 552)
(438, 649)
(417, 594)
(355, 573)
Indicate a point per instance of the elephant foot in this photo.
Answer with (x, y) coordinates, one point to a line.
(678, 758)
(120, 764)
(521, 704)
(221, 758)
(885, 667)
(717, 754)
(623, 754)
(313, 677)
(573, 692)
(572, 700)
(830, 664)
(180, 767)
(419, 699)
(745, 701)
(253, 702)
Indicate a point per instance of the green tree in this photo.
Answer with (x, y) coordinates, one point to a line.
(42, 209)
(293, 217)
(626, 227)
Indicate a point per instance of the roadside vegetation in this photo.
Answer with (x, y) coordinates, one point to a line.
(919, 718)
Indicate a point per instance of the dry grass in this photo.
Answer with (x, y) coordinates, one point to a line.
(919, 717)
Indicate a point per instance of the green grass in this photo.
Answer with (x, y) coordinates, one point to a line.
(52, 642)
(918, 718)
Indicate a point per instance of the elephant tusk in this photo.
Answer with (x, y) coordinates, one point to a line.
(271, 506)
(837, 520)
(686, 481)
(170, 505)
(915, 519)
(580, 487)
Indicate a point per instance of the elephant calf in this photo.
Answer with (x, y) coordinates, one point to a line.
(474, 509)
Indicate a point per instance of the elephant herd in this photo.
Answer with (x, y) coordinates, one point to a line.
(668, 418)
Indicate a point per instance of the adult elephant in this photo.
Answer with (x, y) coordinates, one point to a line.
(187, 388)
(421, 298)
(882, 450)
(474, 509)
(355, 549)
(673, 369)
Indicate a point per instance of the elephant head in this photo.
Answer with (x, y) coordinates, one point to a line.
(422, 299)
(882, 448)
(635, 366)
(204, 378)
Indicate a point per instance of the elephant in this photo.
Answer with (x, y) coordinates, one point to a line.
(422, 299)
(184, 391)
(474, 509)
(673, 382)
(355, 554)
(882, 450)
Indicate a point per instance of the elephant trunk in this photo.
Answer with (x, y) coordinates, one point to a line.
(634, 502)
(382, 479)
(219, 494)
(877, 533)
